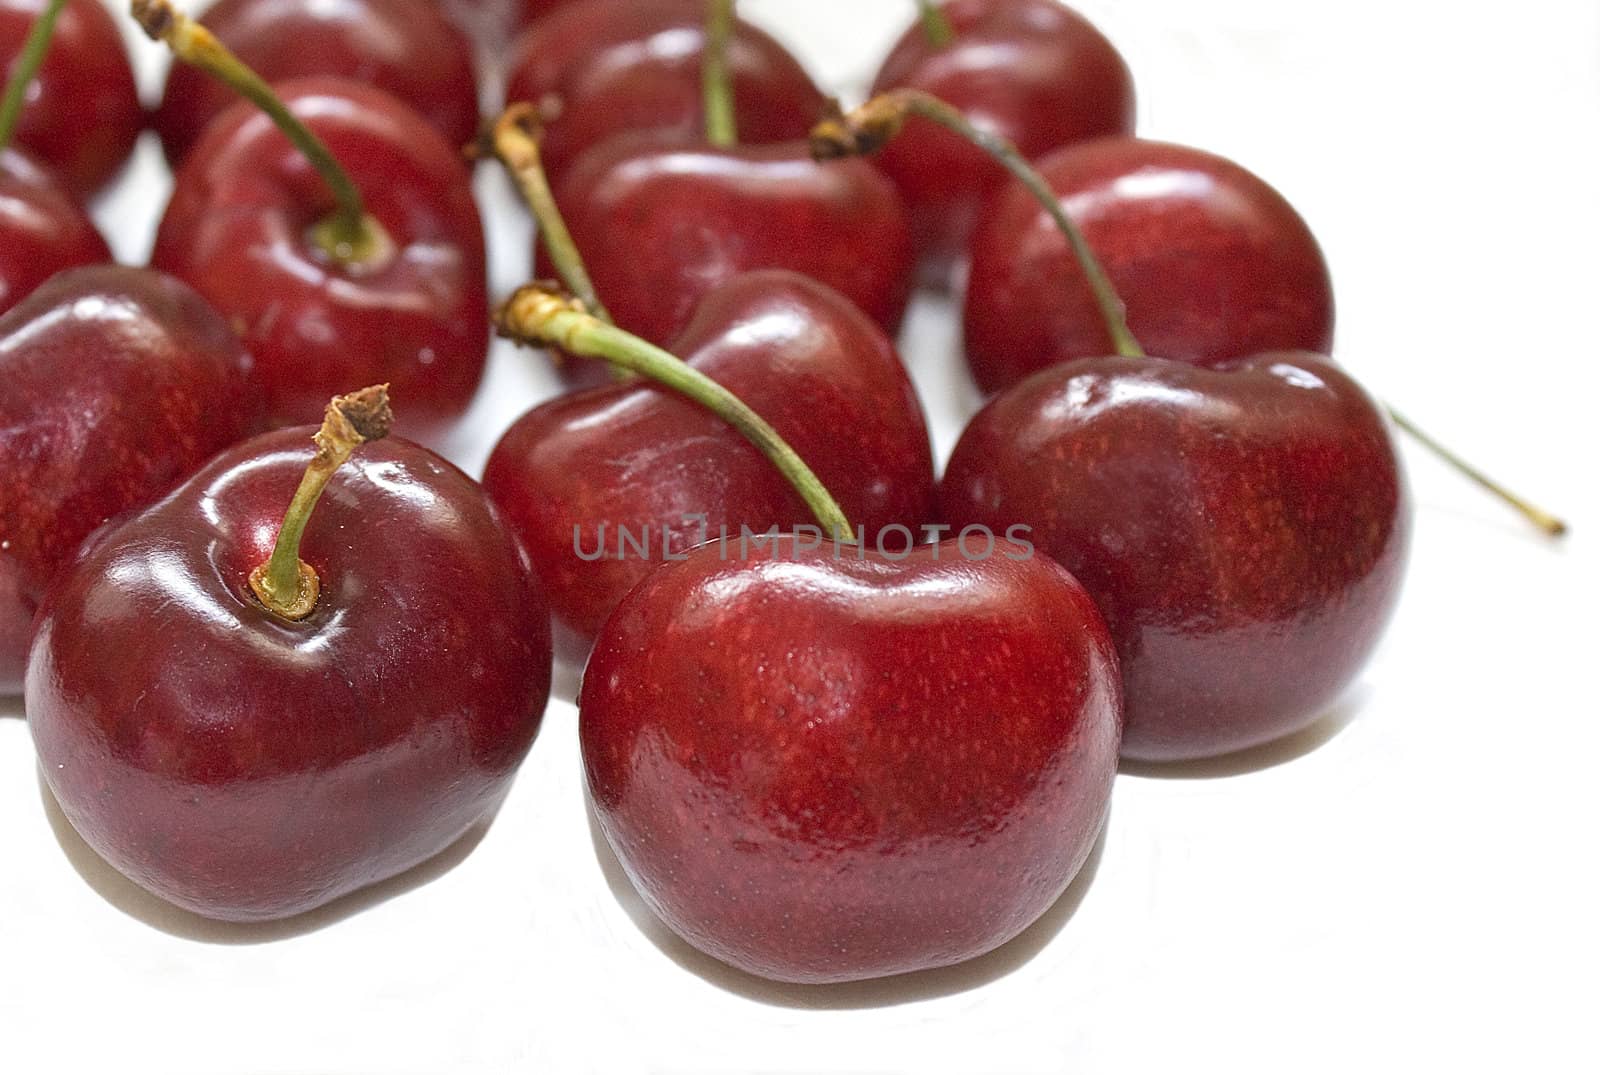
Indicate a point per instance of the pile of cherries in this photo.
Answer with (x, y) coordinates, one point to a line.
(840, 719)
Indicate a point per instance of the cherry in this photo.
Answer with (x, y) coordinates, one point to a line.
(1242, 528)
(608, 67)
(1033, 71)
(115, 384)
(82, 114)
(249, 735)
(1211, 262)
(330, 281)
(405, 47)
(580, 474)
(821, 766)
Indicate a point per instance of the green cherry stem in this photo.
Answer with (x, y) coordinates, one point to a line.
(935, 25)
(515, 141)
(536, 315)
(286, 584)
(722, 129)
(349, 235)
(867, 129)
(26, 68)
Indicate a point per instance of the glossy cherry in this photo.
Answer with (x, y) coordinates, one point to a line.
(605, 68)
(248, 767)
(819, 767)
(1211, 262)
(115, 384)
(1243, 529)
(239, 228)
(575, 471)
(83, 114)
(663, 221)
(43, 229)
(1033, 71)
(406, 48)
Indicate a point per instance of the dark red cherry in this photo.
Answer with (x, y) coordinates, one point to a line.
(43, 229)
(1034, 72)
(238, 229)
(405, 47)
(83, 113)
(606, 68)
(819, 767)
(1211, 262)
(246, 767)
(662, 222)
(115, 385)
(1243, 529)
(577, 473)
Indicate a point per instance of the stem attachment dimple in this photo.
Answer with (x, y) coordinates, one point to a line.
(722, 128)
(867, 129)
(537, 315)
(349, 236)
(935, 26)
(26, 68)
(286, 585)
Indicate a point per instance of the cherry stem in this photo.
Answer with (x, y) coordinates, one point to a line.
(515, 140)
(537, 315)
(348, 236)
(1549, 524)
(25, 68)
(722, 129)
(286, 584)
(870, 127)
(935, 25)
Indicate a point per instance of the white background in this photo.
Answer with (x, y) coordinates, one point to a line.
(1412, 886)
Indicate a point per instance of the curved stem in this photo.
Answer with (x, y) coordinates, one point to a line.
(1536, 515)
(25, 68)
(535, 315)
(349, 235)
(934, 24)
(515, 139)
(286, 584)
(722, 129)
(869, 127)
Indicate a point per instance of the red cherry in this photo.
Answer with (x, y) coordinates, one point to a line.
(83, 115)
(1034, 72)
(115, 384)
(247, 767)
(239, 229)
(574, 471)
(404, 47)
(611, 67)
(1211, 262)
(43, 229)
(662, 222)
(821, 768)
(1243, 529)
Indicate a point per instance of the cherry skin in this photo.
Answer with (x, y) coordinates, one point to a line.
(611, 67)
(821, 768)
(115, 384)
(1243, 529)
(83, 113)
(43, 229)
(249, 768)
(405, 47)
(1032, 71)
(633, 455)
(662, 222)
(237, 230)
(1211, 262)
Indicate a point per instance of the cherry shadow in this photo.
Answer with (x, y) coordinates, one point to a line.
(571, 654)
(1266, 756)
(10, 706)
(875, 993)
(157, 913)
